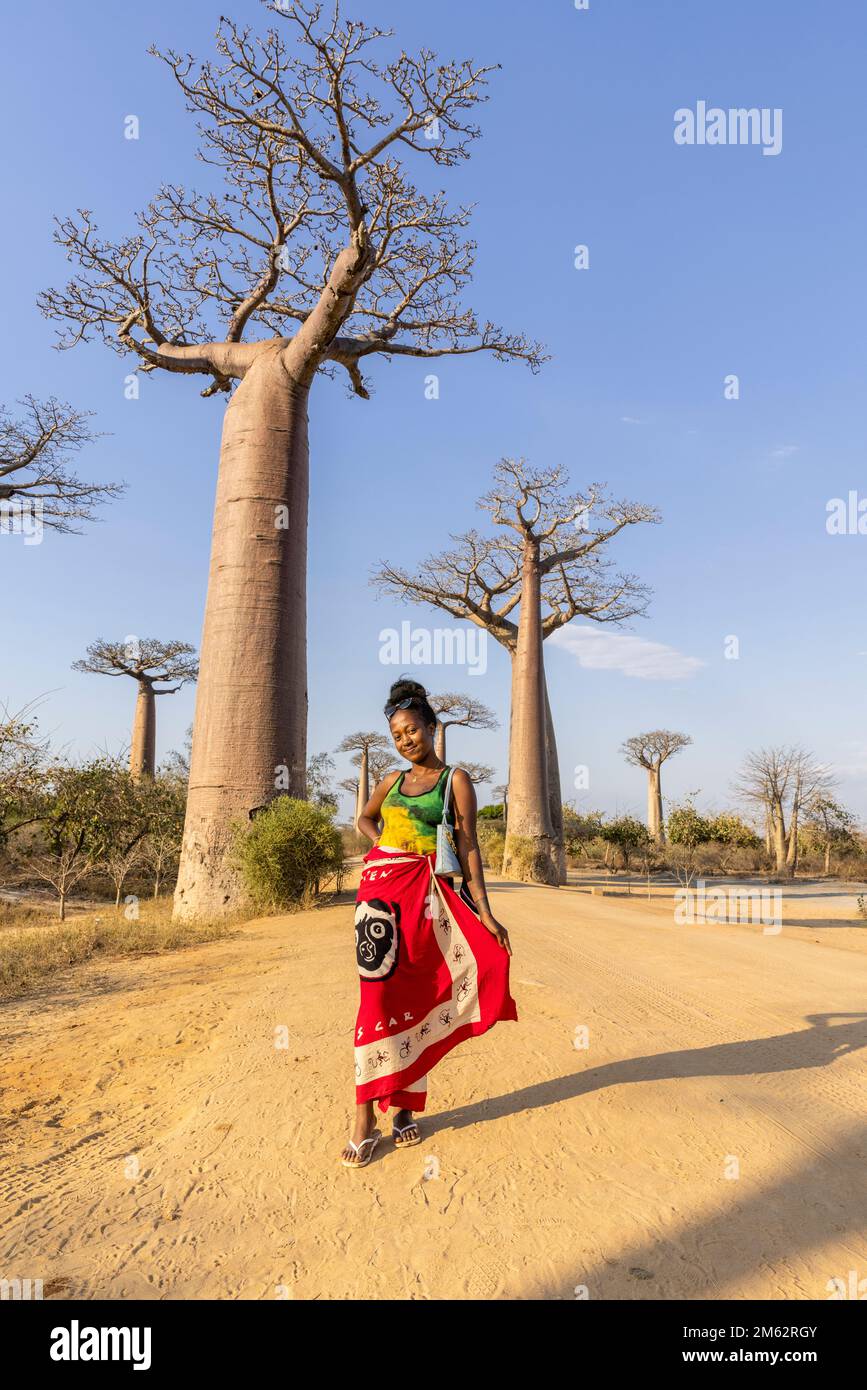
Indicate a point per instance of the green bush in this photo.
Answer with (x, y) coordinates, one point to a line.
(580, 831)
(492, 842)
(287, 850)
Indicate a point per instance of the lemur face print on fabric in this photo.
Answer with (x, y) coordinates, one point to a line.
(377, 938)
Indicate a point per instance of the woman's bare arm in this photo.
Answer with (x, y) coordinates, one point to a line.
(368, 822)
(465, 806)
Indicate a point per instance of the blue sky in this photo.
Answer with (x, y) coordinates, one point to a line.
(704, 261)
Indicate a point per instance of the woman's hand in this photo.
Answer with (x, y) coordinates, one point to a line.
(496, 929)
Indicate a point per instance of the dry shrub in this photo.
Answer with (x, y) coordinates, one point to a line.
(28, 956)
(492, 843)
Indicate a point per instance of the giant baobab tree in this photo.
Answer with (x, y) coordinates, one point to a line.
(783, 781)
(364, 743)
(149, 663)
(35, 450)
(650, 751)
(321, 237)
(545, 564)
(452, 709)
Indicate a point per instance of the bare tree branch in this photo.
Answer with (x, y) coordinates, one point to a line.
(34, 452)
(317, 226)
(479, 578)
(146, 659)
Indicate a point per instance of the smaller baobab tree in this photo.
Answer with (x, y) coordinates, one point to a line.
(34, 465)
(461, 710)
(546, 563)
(782, 781)
(148, 662)
(477, 772)
(363, 743)
(381, 761)
(650, 751)
(812, 782)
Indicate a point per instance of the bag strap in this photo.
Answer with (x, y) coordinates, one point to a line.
(446, 794)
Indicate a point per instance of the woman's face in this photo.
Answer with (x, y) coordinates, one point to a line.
(413, 738)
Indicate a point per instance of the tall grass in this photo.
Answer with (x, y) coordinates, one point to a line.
(31, 954)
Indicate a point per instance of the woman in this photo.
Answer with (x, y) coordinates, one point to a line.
(434, 965)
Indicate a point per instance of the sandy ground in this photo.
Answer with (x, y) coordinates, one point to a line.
(170, 1126)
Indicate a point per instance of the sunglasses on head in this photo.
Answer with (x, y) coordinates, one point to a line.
(401, 704)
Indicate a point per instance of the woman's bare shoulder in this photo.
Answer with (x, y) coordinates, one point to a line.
(388, 781)
(461, 780)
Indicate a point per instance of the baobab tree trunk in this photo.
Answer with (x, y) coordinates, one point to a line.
(779, 828)
(363, 795)
(555, 796)
(531, 852)
(142, 754)
(654, 805)
(827, 857)
(440, 741)
(250, 728)
(792, 851)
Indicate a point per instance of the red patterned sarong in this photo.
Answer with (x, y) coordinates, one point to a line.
(431, 975)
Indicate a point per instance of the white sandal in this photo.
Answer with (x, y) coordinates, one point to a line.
(372, 1139)
(397, 1130)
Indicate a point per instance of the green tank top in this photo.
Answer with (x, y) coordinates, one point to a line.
(410, 822)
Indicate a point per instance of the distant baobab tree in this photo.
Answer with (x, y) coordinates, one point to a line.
(319, 229)
(363, 743)
(477, 772)
(148, 662)
(503, 793)
(545, 565)
(783, 781)
(461, 710)
(650, 751)
(381, 761)
(34, 464)
(811, 784)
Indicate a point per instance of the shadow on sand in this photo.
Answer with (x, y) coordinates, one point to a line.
(764, 1229)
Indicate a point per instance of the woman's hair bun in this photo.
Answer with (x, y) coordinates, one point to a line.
(405, 689)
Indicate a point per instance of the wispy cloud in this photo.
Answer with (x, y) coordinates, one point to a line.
(784, 451)
(600, 650)
(631, 420)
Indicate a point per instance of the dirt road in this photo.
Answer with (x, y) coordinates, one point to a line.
(171, 1125)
